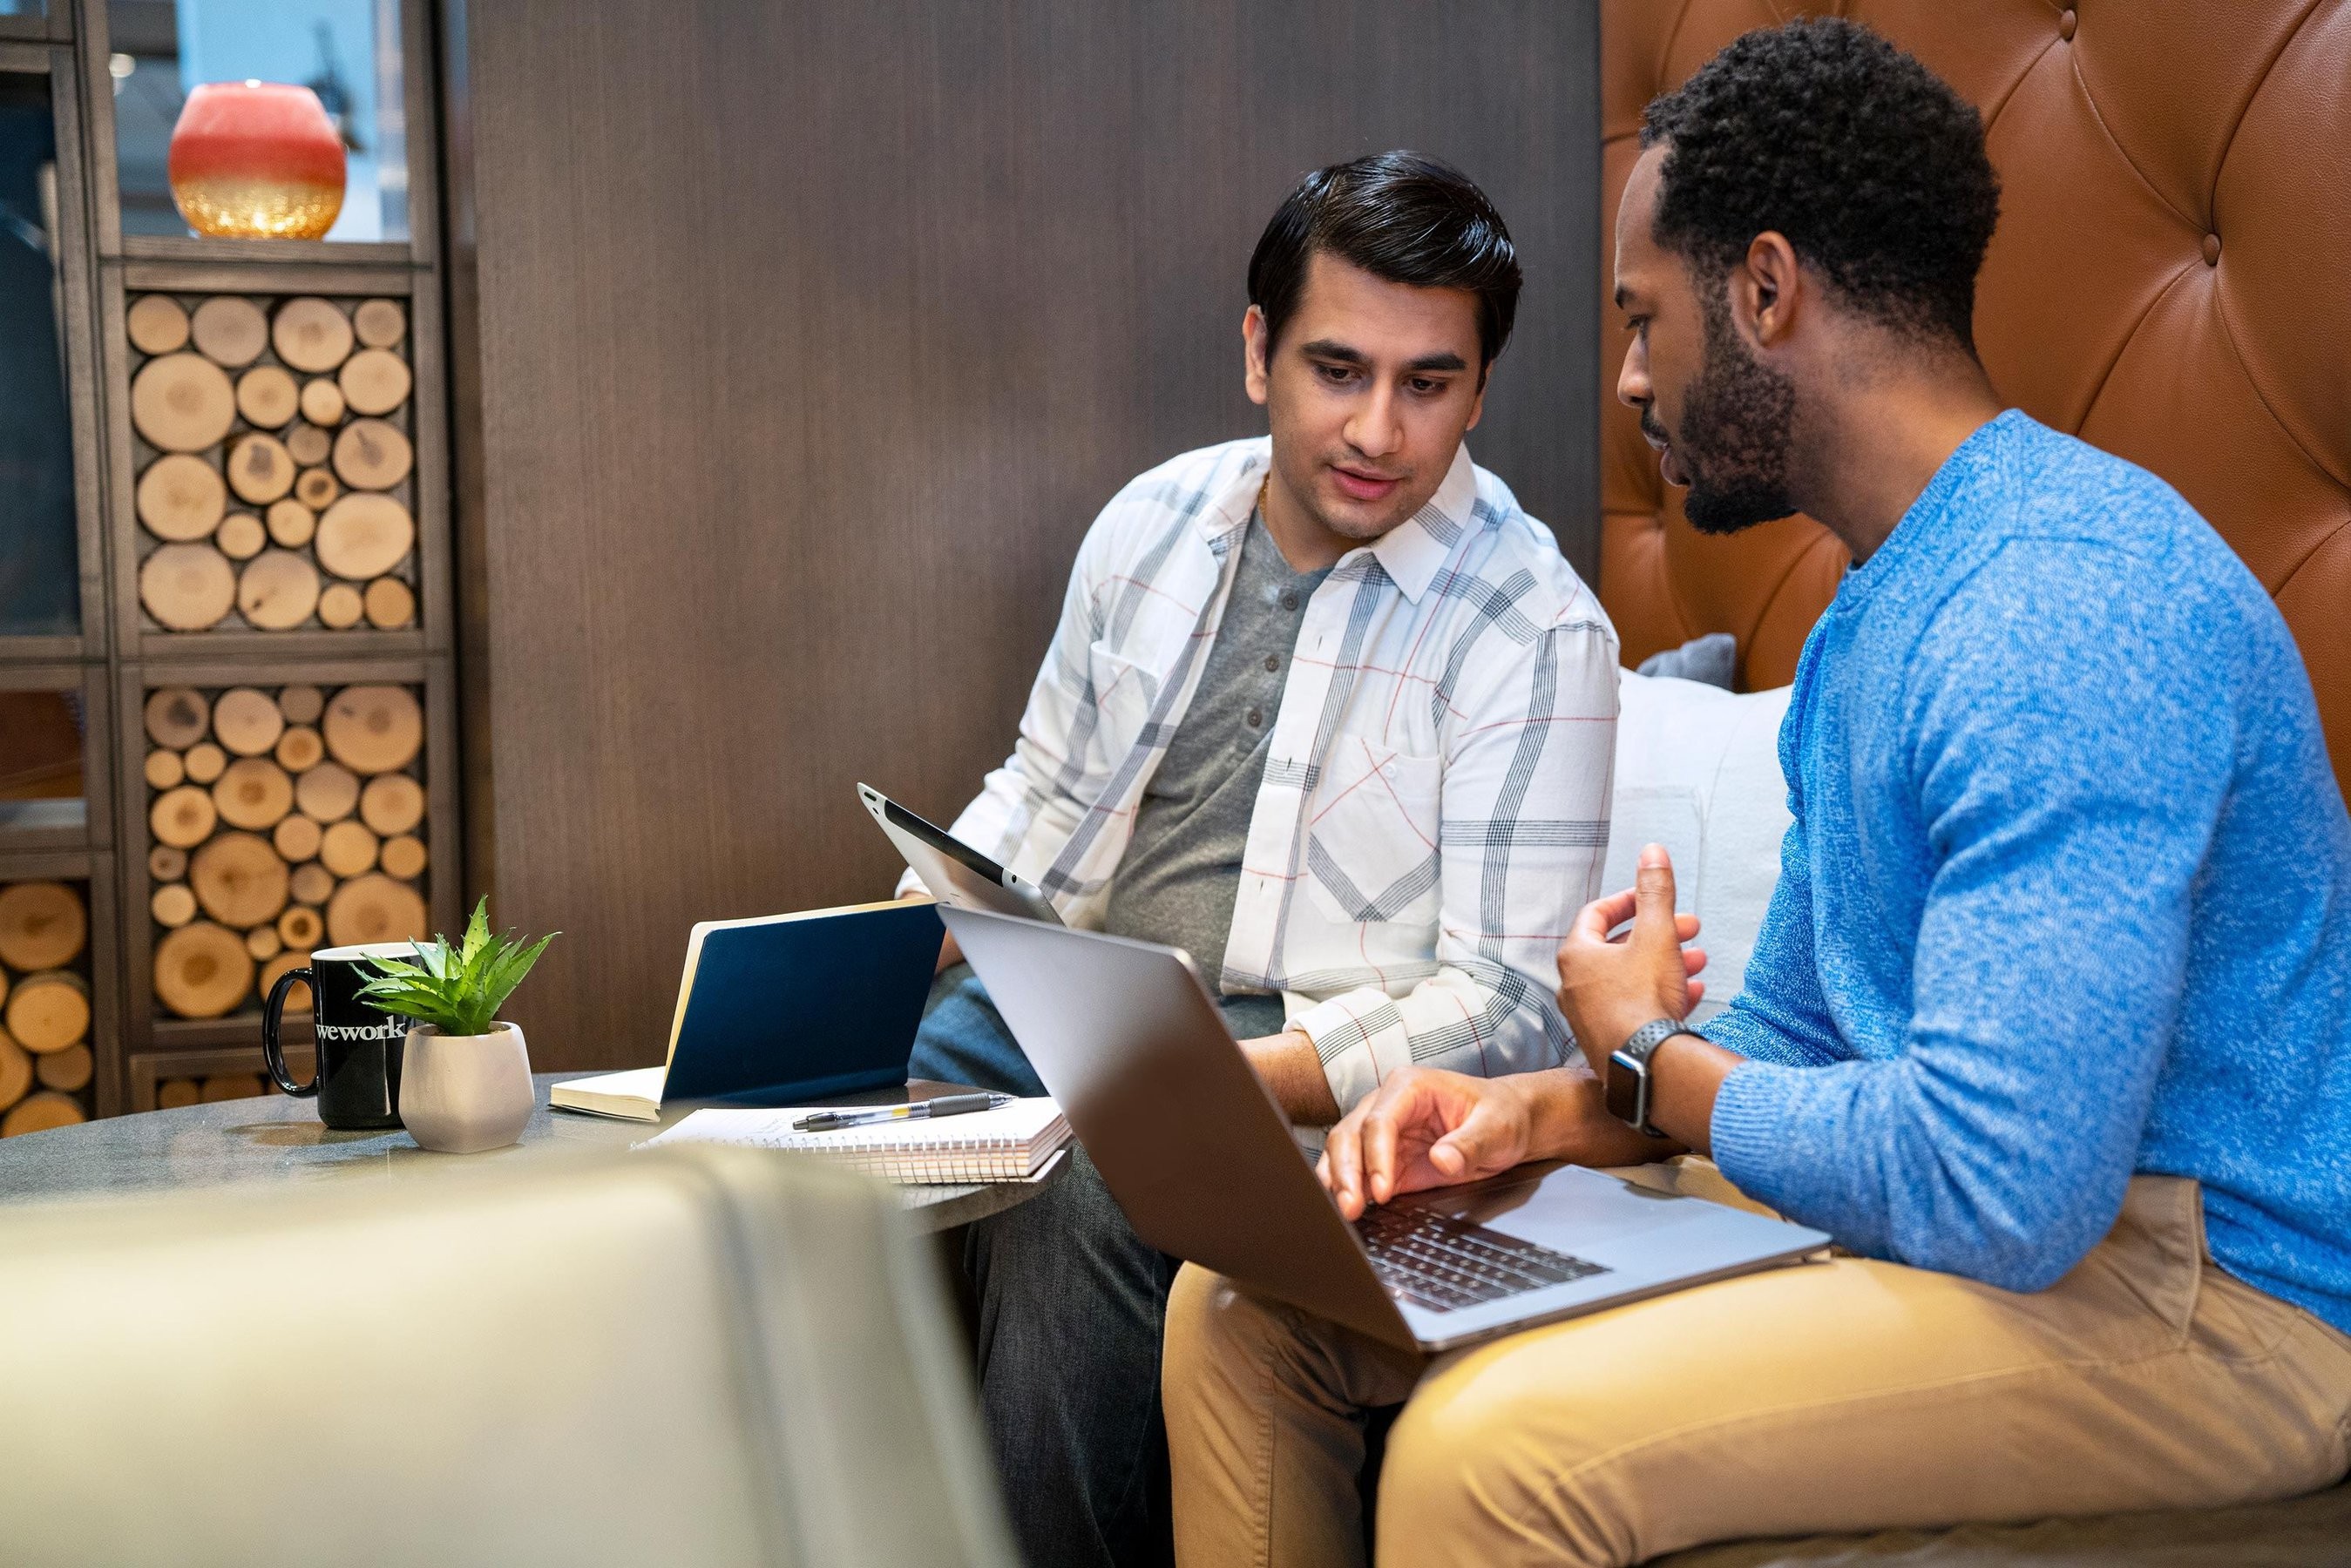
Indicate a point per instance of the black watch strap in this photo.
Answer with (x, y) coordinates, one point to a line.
(1627, 1087)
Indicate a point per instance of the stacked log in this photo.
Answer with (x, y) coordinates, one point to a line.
(45, 1064)
(305, 828)
(275, 465)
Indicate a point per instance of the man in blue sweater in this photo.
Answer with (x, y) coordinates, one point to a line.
(2050, 1020)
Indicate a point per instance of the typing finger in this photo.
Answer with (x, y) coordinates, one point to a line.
(1342, 1167)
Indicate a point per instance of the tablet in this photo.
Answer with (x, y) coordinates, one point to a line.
(957, 874)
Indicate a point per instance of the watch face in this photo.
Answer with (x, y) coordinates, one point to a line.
(1624, 1088)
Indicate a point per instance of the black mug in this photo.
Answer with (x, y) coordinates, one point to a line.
(359, 1044)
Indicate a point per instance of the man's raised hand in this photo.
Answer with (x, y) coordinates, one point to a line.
(1610, 985)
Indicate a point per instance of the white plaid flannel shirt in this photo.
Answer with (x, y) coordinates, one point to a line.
(1435, 808)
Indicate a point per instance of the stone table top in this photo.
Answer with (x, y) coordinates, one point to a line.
(275, 1139)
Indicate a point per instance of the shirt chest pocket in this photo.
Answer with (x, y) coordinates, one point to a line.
(1372, 838)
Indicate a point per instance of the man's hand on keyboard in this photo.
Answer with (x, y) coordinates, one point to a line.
(1423, 1128)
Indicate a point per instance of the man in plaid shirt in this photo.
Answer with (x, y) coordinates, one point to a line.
(1326, 709)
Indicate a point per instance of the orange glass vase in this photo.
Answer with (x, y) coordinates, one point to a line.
(257, 161)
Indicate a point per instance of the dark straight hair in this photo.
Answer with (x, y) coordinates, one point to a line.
(1402, 216)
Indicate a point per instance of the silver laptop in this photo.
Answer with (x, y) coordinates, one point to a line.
(957, 874)
(1196, 1151)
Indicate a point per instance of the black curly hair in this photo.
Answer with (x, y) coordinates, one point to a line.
(1867, 160)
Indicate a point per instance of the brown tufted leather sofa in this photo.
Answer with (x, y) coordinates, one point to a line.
(2170, 281)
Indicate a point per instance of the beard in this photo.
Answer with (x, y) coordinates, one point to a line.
(1734, 442)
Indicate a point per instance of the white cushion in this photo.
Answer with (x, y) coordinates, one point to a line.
(1698, 770)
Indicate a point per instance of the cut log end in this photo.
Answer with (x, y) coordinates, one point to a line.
(178, 717)
(43, 925)
(239, 880)
(173, 906)
(301, 704)
(327, 792)
(375, 908)
(308, 445)
(247, 720)
(374, 381)
(182, 818)
(313, 883)
(296, 838)
(253, 793)
(66, 1071)
(402, 857)
(230, 330)
(370, 454)
(180, 498)
(156, 324)
(348, 849)
(49, 1011)
(267, 396)
(260, 470)
(204, 762)
(181, 403)
(174, 1093)
(322, 403)
(300, 748)
(310, 334)
(277, 591)
(379, 323)
(202, 970)
(340, 607)
(374, 729)
(240, 537)
(391, 803)
(15, 1072)
(187, 587)
(41, 1111)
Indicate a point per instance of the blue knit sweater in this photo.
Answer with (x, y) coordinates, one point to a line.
(2067, 895)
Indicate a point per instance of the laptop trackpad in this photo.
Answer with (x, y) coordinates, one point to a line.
(1567, 1209)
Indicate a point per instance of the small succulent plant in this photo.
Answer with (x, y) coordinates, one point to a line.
(457, 988)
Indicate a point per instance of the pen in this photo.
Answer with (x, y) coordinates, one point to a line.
(945, 1105)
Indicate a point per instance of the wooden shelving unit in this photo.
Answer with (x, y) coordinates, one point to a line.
(294, 541)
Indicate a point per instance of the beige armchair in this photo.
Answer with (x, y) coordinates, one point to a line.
(704, 1357)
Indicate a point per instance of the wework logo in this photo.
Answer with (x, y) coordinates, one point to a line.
(357, 1033)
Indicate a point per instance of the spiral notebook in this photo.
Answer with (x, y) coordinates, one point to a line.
(1011, 1143)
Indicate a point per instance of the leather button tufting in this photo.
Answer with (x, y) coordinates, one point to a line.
(2211, 250)
(2065, 27)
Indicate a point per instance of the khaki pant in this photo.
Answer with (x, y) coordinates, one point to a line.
(1845, 1396)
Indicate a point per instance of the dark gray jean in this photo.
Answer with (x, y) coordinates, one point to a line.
(1070, 1305)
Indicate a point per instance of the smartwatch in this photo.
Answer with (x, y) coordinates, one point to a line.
(1627, 1087)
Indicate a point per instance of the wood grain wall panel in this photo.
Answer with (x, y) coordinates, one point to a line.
(799, 343)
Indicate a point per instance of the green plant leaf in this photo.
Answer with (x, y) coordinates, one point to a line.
(457, 988)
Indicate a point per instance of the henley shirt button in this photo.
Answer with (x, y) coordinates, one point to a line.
(1272, 662)
(1255, 717)
(1290, 601)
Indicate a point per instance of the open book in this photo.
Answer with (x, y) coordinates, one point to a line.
(1010, 1143)
(784, 1007)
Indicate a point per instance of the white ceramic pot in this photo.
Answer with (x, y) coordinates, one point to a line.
(461, 1094)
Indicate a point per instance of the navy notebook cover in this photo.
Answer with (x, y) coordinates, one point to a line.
(793, 1008)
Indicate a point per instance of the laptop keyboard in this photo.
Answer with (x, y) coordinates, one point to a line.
(1436, 1262)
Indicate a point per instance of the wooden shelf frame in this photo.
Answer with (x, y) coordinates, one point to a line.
(115, 658)
(144, 1030)
(428, 434)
